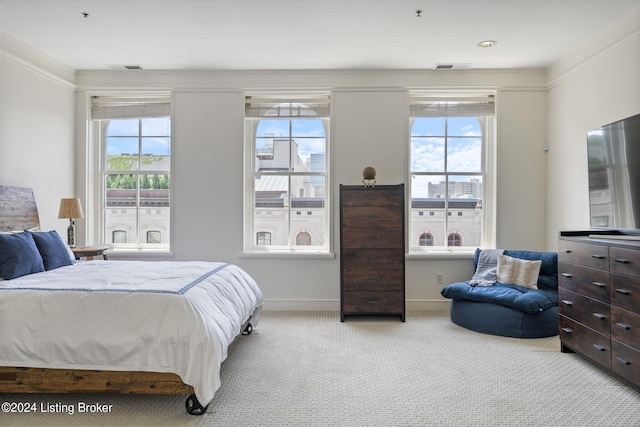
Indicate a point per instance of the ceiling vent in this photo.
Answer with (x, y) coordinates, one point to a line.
(442, 67)
(124, 67)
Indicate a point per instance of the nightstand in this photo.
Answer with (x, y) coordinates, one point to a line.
(89, 252)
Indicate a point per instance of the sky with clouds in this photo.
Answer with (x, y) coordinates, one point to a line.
(463, 148)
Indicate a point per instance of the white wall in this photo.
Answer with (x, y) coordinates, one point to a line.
(521, 170)
(603, 88)
(369, 127)
(37, 141)
(207, 175)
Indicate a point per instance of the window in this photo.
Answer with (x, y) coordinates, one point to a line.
(286, 152)
(303, 239)
(135, 169)
(454, 239)
(263, 238)
(154, 237)
(119, 236)
(451, 138)
(426, 239)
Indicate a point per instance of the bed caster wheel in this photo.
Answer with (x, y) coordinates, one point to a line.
(193, 406)
(248, 329)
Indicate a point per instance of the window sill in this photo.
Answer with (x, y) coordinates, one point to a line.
(138, 254)
(288, 254)
(439, 255)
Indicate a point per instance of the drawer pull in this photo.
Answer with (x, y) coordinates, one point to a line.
(624, 291)
(599, 347)
(372, 216)
(598, 256)
(567, 302)
(624, 326)
(599, 284)
(623, 361)
(600, 316)
(622, 260)
(373, 301)
(568, 275)
(567, 330)
(372, 237)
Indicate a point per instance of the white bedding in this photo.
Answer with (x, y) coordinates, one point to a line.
(177, 317)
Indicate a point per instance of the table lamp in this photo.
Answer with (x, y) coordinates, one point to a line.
(70, 208)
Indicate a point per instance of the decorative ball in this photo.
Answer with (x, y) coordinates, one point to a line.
(369, 173)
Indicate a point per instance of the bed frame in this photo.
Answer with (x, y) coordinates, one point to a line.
(18, 211)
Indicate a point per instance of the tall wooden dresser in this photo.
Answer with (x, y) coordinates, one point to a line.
(599, 292)
(372, 246)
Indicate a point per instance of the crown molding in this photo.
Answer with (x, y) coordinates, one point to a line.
(16, 51)
(474, 79)
(623, 33)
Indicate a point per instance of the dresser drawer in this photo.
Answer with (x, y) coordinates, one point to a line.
(586, 341)
(624, 261)
(625, 361)
(372, 238)
(625, 292)
(584, 280)
(364, 302)
(373, 216)
(589, 312)
(595, 256)
(377, 196)
(378, 259)
(625, 327)
(372, 279)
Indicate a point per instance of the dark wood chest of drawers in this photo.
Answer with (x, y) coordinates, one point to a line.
(372, 250)
(599, 291)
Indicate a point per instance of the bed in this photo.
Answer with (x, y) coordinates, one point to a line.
(113, 326)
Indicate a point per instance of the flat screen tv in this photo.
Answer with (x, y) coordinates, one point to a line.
(614, 177)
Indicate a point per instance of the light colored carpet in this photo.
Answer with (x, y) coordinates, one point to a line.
(309, 369)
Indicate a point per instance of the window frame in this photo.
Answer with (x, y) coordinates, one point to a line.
(488, 173)
(318, 102)
(102, 109)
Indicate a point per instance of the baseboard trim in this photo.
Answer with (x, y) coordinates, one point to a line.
(334, 305)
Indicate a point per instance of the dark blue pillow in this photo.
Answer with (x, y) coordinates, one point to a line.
(53, 250)
(19, 255)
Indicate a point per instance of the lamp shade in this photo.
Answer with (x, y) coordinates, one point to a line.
(70, 208)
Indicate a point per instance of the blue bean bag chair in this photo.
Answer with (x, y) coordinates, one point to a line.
(507, 309)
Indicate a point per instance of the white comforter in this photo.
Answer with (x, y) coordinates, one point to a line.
(175, 317)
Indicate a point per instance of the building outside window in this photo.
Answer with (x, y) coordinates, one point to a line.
(135, 167)
(451, 137)
(286, 151)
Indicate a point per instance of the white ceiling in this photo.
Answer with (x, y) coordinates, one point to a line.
(301, 34)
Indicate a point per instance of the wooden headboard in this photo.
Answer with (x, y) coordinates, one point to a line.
(18, 209)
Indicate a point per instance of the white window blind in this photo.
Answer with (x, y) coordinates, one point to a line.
(296, 106)
(111, 108)
(444, 106)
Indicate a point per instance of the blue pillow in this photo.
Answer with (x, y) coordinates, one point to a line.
(52, 248)
(548, 277)
(19, 255)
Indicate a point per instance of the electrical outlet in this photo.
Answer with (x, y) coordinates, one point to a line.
(439, 278)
